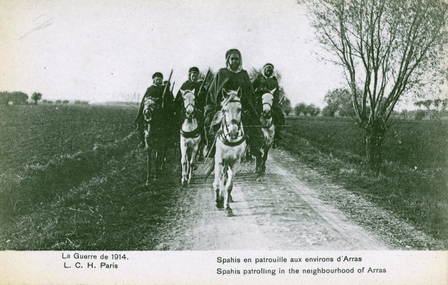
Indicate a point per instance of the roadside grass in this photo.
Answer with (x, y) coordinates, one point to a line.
(72, 179)
(111, 210)
(43, 182)
(413, 179)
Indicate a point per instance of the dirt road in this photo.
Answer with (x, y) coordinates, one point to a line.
(280, 211)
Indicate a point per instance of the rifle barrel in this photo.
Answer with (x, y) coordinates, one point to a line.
(203, 82)
(166, 87)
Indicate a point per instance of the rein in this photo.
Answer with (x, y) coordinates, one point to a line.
(224, 132)
(262, 116)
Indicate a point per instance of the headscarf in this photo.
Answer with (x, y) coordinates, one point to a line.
(228, 54)
(265, 67)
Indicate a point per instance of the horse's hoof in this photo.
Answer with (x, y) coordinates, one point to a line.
(229, 212)
(220, 203)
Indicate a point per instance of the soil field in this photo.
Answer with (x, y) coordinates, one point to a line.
(93, 197)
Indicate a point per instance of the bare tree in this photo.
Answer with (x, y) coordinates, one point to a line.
(386, 48)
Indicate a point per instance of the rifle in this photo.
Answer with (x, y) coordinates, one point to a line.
(172, 87)
(166, 88)
(203, 82)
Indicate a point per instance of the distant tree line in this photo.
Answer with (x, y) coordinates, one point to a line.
(434, 108)
(304, 109)
(339, 101)
(21, 98)
(15, 97)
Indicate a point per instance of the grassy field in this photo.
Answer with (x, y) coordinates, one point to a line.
(33, 134)
(414, 178)
(72, 177)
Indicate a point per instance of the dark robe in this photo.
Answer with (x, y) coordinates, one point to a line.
(228, 80)
(166, 113)
(262, 84)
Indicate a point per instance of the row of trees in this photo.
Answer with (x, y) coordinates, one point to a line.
(14, 97)
(434, 108)
(304, 109)
(18, 97)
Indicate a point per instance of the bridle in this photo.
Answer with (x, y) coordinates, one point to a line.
(149, 109)
(190, 115)
(225, 133)
(266, 114)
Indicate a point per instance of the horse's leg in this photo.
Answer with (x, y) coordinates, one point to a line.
(258, 163)
(228, 189)
(188, 164)
(162, 158)
(216, 184)
(200, 151)
(148, 166)
(223, 184)
(183, 161)
(263, 162)
(193, 163)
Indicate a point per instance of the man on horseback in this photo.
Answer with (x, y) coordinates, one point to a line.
(231, 78)
(192, 84)
(197, 87)
(163, 97)
(264, 82)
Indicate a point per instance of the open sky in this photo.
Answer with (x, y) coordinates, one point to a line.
(103, 50)
(107, 50)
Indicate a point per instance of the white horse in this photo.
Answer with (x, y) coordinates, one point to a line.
(190, 137)
(268, 130)
(230, 148)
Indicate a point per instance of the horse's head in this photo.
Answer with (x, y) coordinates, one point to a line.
(189, 103)
(149, 106)
(231, 111)
(267, 99)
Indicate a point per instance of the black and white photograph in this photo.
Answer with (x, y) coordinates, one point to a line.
(224, 142)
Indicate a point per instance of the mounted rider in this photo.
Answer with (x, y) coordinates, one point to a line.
(164, 99)
(231, 78)
(193, 84)
(264, 82)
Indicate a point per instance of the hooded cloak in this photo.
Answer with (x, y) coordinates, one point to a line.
(232, 80)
